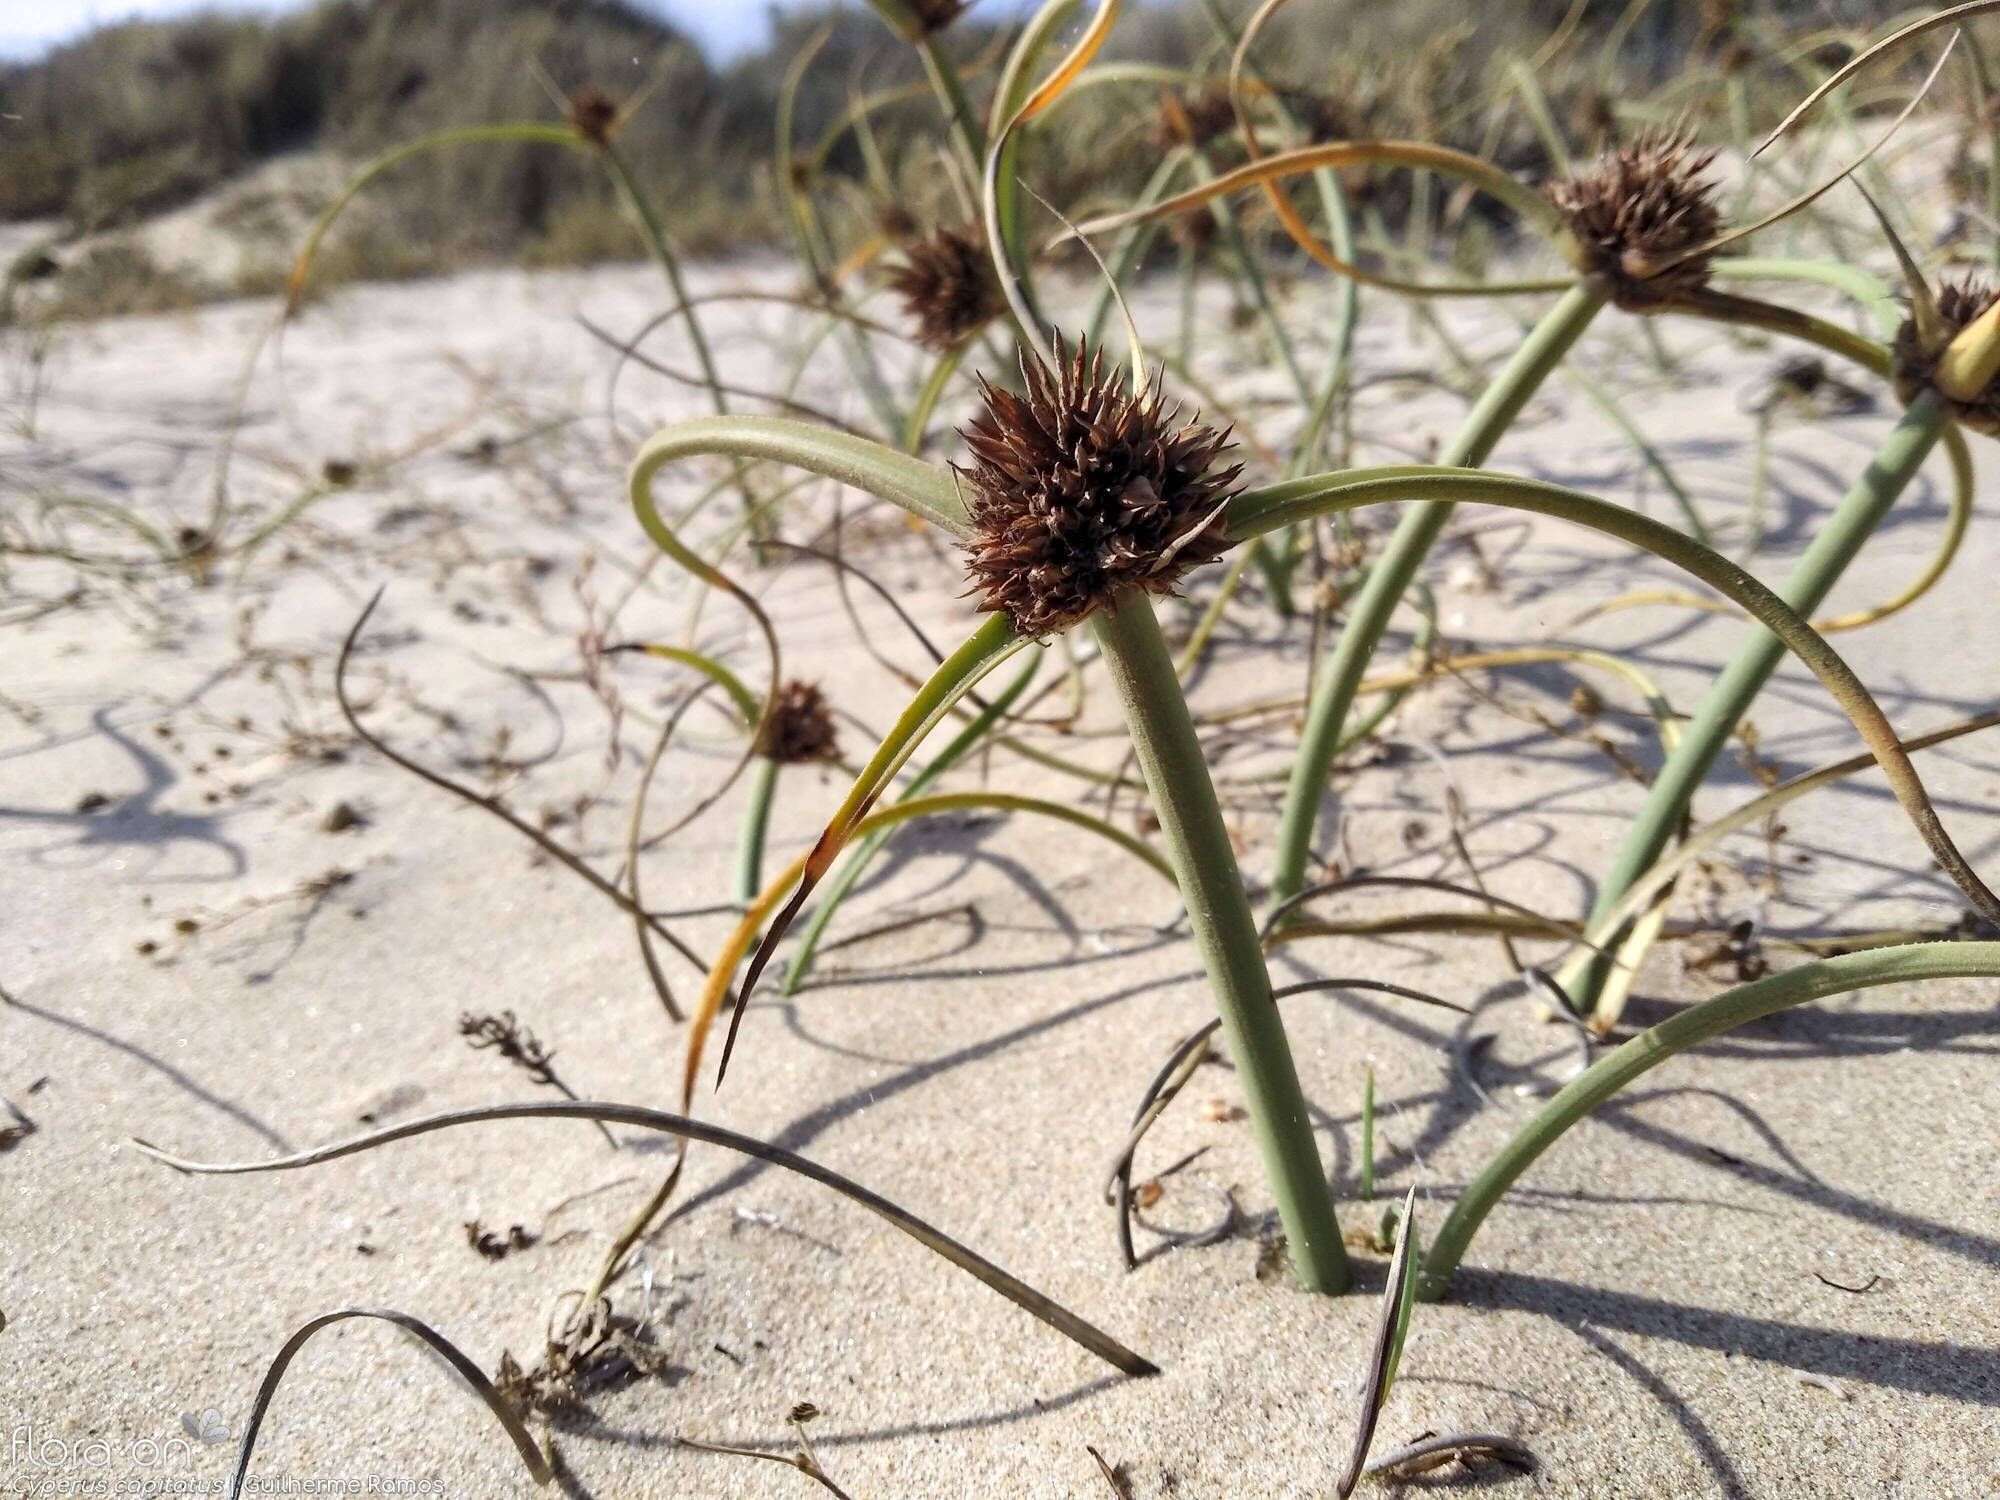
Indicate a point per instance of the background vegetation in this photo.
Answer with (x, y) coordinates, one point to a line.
(144, 117)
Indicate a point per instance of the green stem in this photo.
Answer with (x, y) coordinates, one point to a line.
(756, 824)
(655, 236)
(951, 95)
(1197, 843)
(807, 232)
(929, 395)
(1689, 1028)
(1368, 1136)
(663, 255)
(1389, 577)
(1895, 464)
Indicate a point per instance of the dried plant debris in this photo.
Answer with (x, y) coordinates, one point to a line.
(533, 1458)
(805, 1460)
(1274, 1256)
(1804, 384)
(1114, 1474)
(1740, 950)
(15, 1126)
(506, 1035)
(800, 728)
(495, 1246)
(1474, 1452)
(607, 1351)
(343, 817)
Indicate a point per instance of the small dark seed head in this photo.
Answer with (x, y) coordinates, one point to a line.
(1196, 228)
(896, 222)
(1916, 363)
(593, 114)
(933, 16)
(1801, 376)
(948, 287)
(800, 728)
(1328, 119)
(1594, 117)
(1082, 490)
(1191, 119)
(1639, 207)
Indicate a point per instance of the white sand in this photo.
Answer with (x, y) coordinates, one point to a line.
(1644, 1311)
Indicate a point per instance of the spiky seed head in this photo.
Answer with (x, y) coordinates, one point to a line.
(1188, 119)
(800, 728)
(1916, 359)
(948, 287)
(1081, 490)
(593, 114)
(1639, 207)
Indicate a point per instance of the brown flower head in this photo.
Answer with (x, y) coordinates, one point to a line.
(1594, 117)
(932, 16)
(1640, 206)
(800, 728)
(1196, 228)
(593, 114)
(1191, 119)
(1325, 118)
(948, 287)
(895, 221)
(1082, 490)
(1916, 361)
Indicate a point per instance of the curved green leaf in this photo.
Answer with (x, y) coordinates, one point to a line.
(1690, 1028)
(1256, 511)
(924, 490)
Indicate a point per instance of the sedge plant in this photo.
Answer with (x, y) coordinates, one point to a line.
(1641, 230)
(1084, 499)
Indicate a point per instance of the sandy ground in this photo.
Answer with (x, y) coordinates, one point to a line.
(200, 960)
